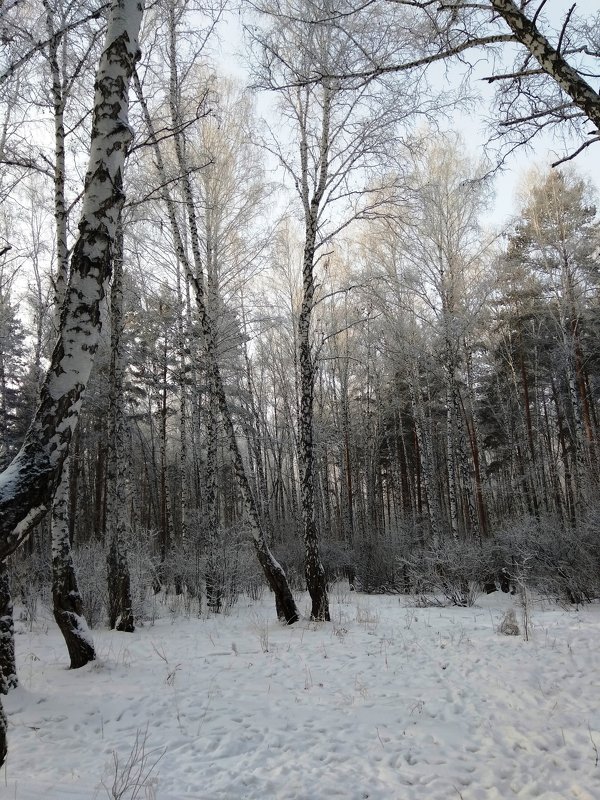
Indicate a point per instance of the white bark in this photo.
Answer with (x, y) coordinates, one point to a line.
(27, 485)
(66, 598)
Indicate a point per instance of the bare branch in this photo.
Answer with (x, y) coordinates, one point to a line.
(38, 46)
(512, 75)
(576, 152)
(564, 28)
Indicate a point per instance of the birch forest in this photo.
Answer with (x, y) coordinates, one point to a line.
(262, 327)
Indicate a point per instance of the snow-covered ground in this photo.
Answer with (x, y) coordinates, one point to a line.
(387, 702)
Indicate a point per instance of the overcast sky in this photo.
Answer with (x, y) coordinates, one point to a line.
(546, 150)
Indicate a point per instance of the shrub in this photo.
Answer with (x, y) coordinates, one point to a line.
(31, 577)
(90, 566)
(561, 563)
(508, 625)
(381, 562)
(454, 571)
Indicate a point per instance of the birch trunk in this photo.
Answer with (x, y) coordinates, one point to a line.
(120, 607)
(183, 417)
(28, 484)
(314, 572)
(165, 500)
(60, 209)
(66, 598)
(214, 576)
(214, 588)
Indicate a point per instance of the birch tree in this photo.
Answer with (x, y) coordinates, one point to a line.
(66, 598)
(65, 64)
(230, 193)
(120, 611)
(29, 482)
(339, 137)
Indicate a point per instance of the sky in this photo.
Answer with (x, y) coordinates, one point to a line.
(473, 127)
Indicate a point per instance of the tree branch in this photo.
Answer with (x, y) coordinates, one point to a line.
(12, 68)
(576, 152)
(550, 59)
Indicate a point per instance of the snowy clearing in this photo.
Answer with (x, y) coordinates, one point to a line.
(385, 702)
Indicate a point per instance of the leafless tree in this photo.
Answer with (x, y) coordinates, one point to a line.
(340, 132)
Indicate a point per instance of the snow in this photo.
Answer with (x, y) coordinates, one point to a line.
(385, 702)
(81, 628)
(10, 478)
(25, 525)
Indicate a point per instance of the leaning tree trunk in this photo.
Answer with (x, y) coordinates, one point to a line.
(66, 598)
(29, 483)
(67, 605)
(551, 60)
(274, 573)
